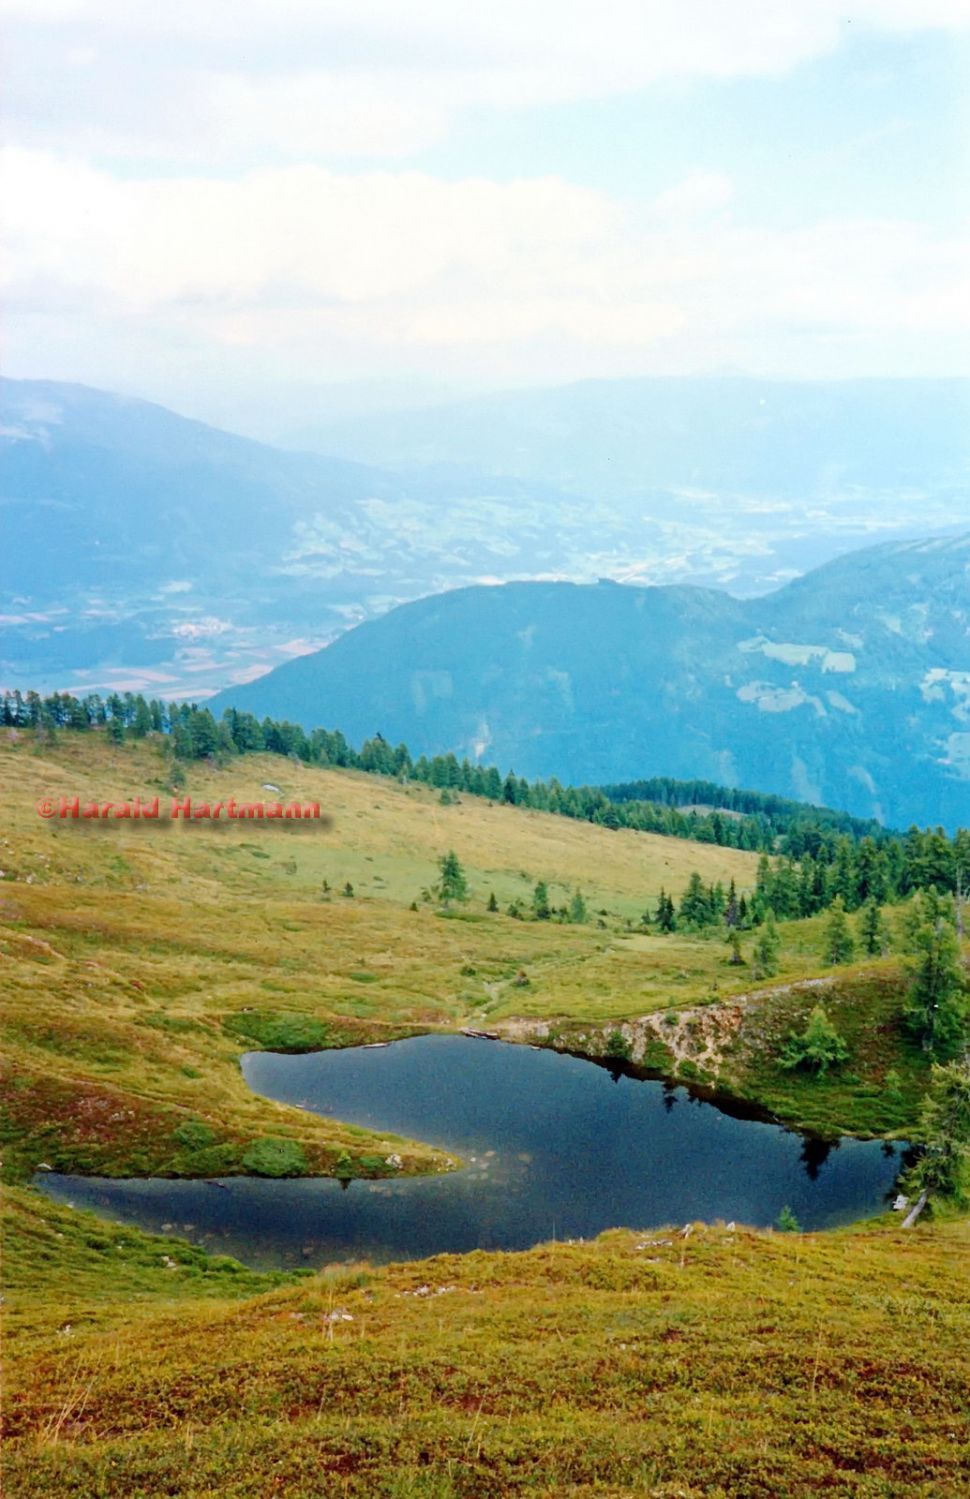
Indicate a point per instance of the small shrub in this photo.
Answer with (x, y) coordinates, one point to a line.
(272, 1156)
(657, 1056)
(375, 1164)
(176, 1024)
(215, 1160)
(193, 1134)
(278, 1032)
(618, 1046)
(818, 1048)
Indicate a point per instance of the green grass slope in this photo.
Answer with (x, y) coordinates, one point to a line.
(138, 965)
(715, 1362)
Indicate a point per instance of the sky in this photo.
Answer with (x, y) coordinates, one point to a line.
(235, 206)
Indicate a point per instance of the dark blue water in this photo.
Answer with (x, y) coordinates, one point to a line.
(554, 1148)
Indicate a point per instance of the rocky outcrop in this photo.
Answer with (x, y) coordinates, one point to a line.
(689, 1043)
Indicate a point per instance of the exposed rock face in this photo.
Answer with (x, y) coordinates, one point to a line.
(665, 1041)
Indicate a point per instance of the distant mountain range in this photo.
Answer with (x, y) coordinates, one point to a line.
(153, 551)
(849, 686)
(148, 551)
(837, 441)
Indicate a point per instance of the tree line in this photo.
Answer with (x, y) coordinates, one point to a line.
(823, 861)
(819, 853)
(779, 810)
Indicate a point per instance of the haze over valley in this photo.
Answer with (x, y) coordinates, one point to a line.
(153, 552)
(485, 749)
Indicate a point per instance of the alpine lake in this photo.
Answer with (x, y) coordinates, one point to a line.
(553, 1146)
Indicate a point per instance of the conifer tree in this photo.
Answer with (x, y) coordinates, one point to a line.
(577, 909)
(666, 917)
(839, 946)
(452, 885)
(818, 1048)
(936, 1000)
(943, 1132)
(696, 905)
(142, 721)
(765, 954)
(872, 928)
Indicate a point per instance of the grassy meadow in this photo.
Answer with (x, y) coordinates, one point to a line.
(138, 964)
(721, 1363)
(141, 961)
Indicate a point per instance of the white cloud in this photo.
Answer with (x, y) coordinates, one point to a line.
(180, 192)
(302, 263)
(695, 197)
(200, 80)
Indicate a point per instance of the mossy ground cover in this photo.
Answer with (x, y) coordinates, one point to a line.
(70, 1269)
(724, 1362)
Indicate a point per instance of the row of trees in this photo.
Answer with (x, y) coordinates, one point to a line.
(935, 1007)
(822, 853)
(779, 811)
(864, 871)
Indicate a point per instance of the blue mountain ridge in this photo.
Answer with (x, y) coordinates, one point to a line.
(849, 687)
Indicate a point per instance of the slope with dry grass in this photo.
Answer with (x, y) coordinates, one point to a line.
(716, 1361)
(140, 961)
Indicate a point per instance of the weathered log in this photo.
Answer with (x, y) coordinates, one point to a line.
(916, 1209)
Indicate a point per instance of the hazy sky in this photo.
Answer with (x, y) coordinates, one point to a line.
(209, 199)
